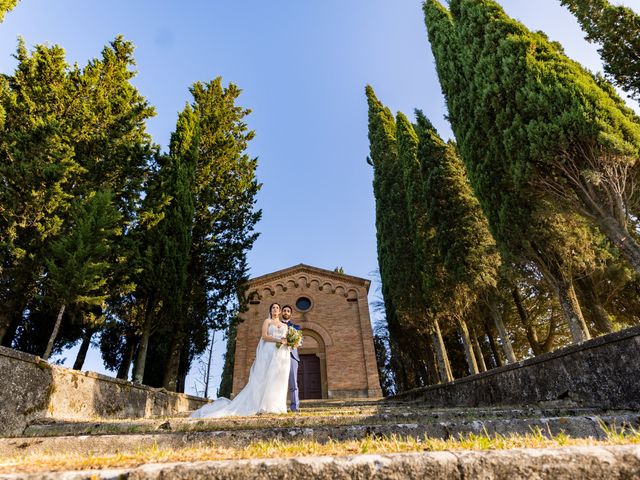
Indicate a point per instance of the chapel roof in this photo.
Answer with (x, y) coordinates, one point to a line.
(321, 272)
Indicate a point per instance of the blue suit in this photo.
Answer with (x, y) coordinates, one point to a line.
(293, 375)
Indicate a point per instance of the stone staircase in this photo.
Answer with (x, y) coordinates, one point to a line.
(339, 421)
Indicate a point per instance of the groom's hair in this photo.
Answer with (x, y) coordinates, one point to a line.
(287, 306)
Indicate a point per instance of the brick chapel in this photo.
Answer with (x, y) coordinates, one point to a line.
(337, 358)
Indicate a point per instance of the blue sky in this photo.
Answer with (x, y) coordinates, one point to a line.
(302, 66)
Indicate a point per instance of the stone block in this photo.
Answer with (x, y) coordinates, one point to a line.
(32, 389)
(600, 373)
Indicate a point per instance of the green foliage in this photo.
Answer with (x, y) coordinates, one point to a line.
(617, 30)
(185, 219)
(202, 203)
(67, 133)
(464, 263)
(530, 123)
(77, 264)
(225, 216)
(5, 7)
(524, 116)
(401, 291)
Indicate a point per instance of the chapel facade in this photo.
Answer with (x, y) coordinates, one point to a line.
(337, 358)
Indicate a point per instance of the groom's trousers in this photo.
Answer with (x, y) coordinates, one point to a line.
(293, 383)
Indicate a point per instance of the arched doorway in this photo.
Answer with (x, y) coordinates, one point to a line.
(312, 369)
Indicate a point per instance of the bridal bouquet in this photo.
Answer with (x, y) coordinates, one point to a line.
(294, 338)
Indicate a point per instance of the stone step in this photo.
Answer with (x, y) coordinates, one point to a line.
(596, 463)
(308, 418)
(573, 426)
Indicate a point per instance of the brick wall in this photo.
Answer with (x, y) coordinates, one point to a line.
(338, 318)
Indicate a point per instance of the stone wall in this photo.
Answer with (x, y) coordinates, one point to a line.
(32, 389)
(603, 372)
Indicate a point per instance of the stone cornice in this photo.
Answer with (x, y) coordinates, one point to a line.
(287, 272)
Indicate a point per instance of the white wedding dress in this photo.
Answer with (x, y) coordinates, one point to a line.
(266, 390)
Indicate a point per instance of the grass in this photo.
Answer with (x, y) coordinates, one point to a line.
(304, 447)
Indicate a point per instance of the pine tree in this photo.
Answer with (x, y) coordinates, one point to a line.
(617, 30)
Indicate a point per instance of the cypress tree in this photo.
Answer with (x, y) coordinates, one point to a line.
(36, 166)
(180, 218)
(66, 133)
(476, 47)
(77, 265)
(396, 256)
(617, 30)
(423, 232)
(222, 193)
(555, 129)
(225, 217)
(465, 249)
(162, 280)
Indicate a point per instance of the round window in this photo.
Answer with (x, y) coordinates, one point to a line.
(303, 304)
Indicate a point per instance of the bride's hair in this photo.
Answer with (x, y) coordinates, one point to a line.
(271, 306)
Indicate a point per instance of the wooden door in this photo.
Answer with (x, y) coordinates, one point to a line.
(309, 383)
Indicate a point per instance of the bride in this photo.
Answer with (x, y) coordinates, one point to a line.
(266, 390)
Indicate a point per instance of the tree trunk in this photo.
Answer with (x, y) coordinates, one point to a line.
(493, 344)
(538, 347)
(532, 335)
(444, 366)
(502, 333)
(183, 369)
(207, 378)
(431, 360)
(123, 371)
(468, 348)
(395, 362)
(170, 378)
(547, 345)
(572, 311)
(620, 237)
(487, 353)
(5, 321)
(84, 348)
(599, 316)
(54, 334)
(482, 366)
(11, 312)
(141, 358)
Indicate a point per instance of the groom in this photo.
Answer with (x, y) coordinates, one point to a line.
(295, 359)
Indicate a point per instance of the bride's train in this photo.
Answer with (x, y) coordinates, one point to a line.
(266, 390)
